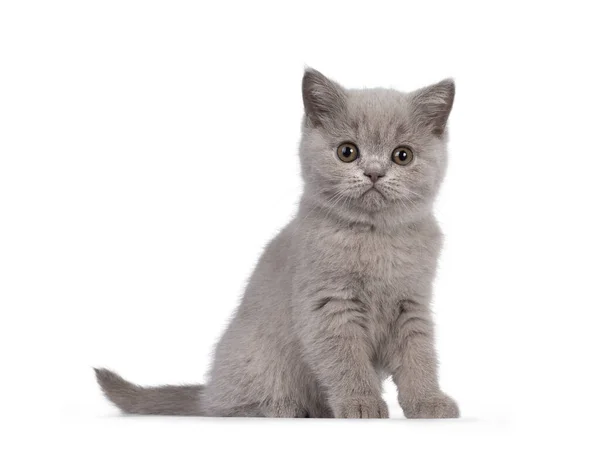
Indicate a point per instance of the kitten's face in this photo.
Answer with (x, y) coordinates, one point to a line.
(374, 150)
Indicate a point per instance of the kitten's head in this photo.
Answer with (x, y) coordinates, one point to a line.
(373, 152)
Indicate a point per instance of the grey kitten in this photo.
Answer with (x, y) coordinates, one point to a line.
(340, 299)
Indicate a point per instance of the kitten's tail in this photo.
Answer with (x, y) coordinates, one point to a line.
(163, 400)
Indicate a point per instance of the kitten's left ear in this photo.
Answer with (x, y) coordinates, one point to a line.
(432, 105)
(324, 99)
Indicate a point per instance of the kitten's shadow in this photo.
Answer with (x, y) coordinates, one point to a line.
(270, 421)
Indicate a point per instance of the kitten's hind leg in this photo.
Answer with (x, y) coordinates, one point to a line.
(268, 409)
(283, 408)
(321, 411)
(291, 409)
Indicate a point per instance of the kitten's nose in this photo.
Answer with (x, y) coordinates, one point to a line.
(374, 175)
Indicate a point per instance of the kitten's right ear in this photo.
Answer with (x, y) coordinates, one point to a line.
(323, 99)
(433, 105)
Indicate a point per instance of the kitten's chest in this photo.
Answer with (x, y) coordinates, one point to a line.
(389, 267)
(386, 271)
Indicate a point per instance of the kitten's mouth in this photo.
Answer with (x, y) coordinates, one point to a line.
(373, 191)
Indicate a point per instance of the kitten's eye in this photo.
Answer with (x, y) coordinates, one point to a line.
(347, 152)
(402, 156)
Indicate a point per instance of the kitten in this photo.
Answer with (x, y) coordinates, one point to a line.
(340, 299)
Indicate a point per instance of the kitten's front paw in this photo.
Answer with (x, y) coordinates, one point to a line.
(365, 407)
(435, 407)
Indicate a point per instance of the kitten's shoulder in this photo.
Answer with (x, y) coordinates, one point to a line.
(428, 227)
(425, 234)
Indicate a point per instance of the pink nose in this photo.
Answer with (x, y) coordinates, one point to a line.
(374, 175)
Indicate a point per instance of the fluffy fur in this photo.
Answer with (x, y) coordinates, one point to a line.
(340, 299)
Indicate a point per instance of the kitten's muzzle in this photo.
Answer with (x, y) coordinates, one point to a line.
(375, 175)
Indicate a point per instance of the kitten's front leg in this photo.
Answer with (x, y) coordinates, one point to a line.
(415, 366)
(334, 338)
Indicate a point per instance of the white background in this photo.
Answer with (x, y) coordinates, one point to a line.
(148, 151)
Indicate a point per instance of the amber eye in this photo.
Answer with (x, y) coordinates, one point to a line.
(402, 156)
(347, 152)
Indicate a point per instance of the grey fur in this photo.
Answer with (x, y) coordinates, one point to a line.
(340, 299)
(165, 400)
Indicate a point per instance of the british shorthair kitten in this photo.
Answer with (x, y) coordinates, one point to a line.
(340, 299)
